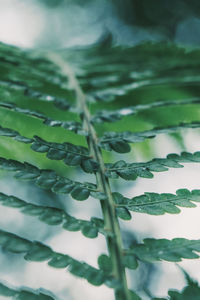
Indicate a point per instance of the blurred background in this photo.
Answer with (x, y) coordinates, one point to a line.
(60, 24)
(65, 23)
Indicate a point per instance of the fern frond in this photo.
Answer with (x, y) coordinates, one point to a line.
(71, 155)
(189, 292)
(33, 76)
(158, 204)
(101, 74)
(55, 216)
(36, 251)
(130, 171)
(23, 293)
(112, 116)
(162, 249)
(48, 179)
(146, 65)
(119, 141)
(69, 125)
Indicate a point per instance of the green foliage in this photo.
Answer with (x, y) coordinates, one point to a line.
(23, 294)
(191, 291)
(54, 216)
(118, 141)
(131, 171)
(158, 204)
(164, 249)
(36, 251)
(66, 115)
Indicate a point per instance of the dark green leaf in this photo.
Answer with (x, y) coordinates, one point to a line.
(48, 179)
(120, 146)
(130, 262)
(158, 204)
(123, 213)
(119, 141)
(89, 231)
(72, 225)
(163, 249)
(54, 216)
(89, 165)
(23, 294)
(60, 261)
(38, 252)
(80, 193)
(7, 292)
(105, 263)
(134, 296)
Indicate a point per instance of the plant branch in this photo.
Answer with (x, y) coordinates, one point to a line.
(114, 239)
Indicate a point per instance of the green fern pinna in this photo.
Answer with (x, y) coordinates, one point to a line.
(78, 106)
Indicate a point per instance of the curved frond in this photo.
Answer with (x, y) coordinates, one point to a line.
(38, 252)
(48, 179)
(72, 155)
(112, 116)
(158, 204)
(163, 249)
(33, 76)
(119, 141)
(69, 125)
(55, 216)
(24, 293)
(145, 65)
(130, 171)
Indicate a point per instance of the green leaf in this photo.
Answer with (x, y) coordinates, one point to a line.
(6, 291)
(80, 193)
(23, 294)
(134, 296)
(105, 263)
(163, 249)
(189, 292)
(54, 216)
(89, 231)
(10, 242)
(119, 199)
(120, 146)
(37, 251)
(72, 225)
(121, 140)
(130, 261)
(69, 125)
(38, 147)
(71, 154)
(47, 179)
(123, 213)
(60, 261)
(95, 277)
(89, 165)
(159, 204)
(113, 116)
(130, 171)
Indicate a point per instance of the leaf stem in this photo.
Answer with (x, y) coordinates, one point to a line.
(114, 240)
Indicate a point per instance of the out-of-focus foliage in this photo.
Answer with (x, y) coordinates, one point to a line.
(23, 294)
(191, 291)
(150, 85)
(159, 17)
(155, 14)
